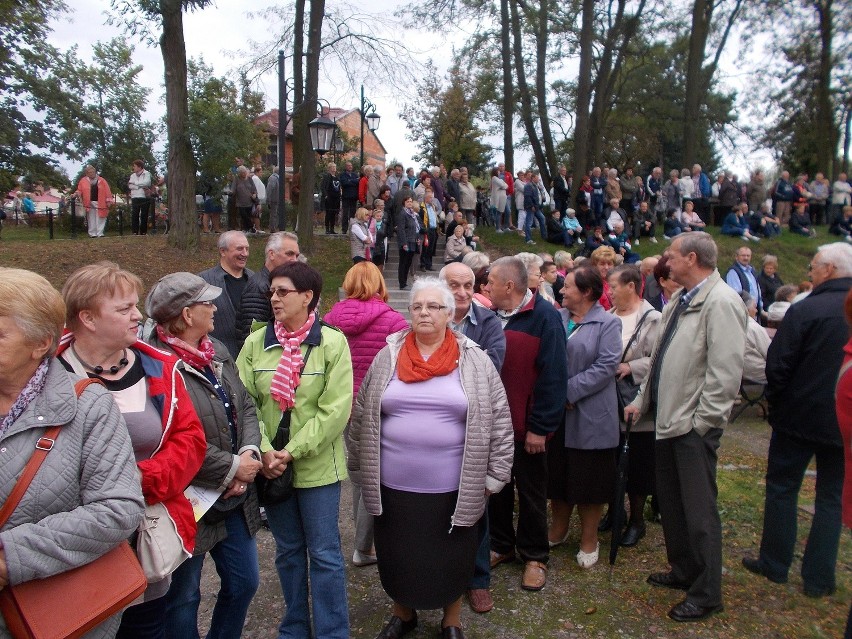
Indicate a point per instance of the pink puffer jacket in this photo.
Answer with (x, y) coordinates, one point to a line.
(366, 326)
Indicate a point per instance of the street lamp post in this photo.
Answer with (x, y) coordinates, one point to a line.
(373, 120)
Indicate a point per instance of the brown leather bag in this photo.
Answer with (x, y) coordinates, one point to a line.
(70, 604)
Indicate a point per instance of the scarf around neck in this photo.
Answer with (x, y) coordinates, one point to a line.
(413, 368)
(287, 375)
(32, 390)
(199, 358)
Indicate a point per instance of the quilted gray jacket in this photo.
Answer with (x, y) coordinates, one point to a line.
(489, 441)
(220, 464)
(85, 498)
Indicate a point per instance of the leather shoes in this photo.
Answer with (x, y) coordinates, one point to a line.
(688, 611)
(816, 593)
(497, 558)
(535, 575)
(605, 523)
(632, 535)
(666, 580)
(396, 627)
(480, 600)
(451, 632)
(752, 564)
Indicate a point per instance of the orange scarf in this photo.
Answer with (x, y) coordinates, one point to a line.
(413, 368)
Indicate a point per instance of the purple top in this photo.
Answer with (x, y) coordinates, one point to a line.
(423, 433)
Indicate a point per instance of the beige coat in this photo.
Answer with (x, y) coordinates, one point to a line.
(703, 366)
(489, 441)
(638, 357)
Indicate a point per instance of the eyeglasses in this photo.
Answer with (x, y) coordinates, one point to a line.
(416, 309)
(205, 303)
(281, 292)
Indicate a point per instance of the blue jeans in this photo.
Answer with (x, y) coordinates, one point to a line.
(236, 562)
(507, 215)
(538, 215)
(144, 621)
(307, 540)
(788, 460)
(482, 566)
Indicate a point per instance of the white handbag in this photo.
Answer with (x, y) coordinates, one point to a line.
(158, 545)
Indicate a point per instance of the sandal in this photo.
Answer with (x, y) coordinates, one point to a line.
(588, 559)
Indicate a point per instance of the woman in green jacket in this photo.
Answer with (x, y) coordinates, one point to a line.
(299, 368)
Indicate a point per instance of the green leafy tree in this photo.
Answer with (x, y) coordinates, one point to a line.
(443, 121)
(221, 125)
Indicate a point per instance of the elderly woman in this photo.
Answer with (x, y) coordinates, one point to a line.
(299, 370)
(166, 435)
(95, 194)
(768, 279)
(603, 259)
(366, 320)
(409, 232)
(581, 457)
(668, 287)
(85, 498)
(361, 239)
(497, 199)
(182, 306)
(245, 196)
(640, 324)
(428, 487)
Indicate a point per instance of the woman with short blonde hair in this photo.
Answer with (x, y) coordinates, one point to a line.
(361, 241)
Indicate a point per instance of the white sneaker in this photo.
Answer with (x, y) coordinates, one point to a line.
(361, 559)
(636, 242)
(588, 559)
(530, 242)
(653, 240)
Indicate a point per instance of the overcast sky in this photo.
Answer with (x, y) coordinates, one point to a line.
(218, 32)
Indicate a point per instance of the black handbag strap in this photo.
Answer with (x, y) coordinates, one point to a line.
(284, 423)
(635, 333)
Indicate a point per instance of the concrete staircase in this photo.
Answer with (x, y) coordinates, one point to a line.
(399, 299)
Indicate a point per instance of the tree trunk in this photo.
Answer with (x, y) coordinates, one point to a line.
(826, 133)
(847, 138)
(180, 179)
(523, 88)
(541, 90)
(298, 143)
(306, 113)
(584, 95)
(702, 12)
(508, 89)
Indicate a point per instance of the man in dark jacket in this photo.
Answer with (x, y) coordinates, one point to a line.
(801, 368)
(330, 192)
(281, 248)
(535, 374)
(349, 195)
(561, 191)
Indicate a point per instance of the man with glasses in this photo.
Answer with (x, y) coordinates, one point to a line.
(281, 248)
(535, 375)
(232, 276)
(801, 369)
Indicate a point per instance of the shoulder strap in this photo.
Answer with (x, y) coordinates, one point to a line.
(43, 446)
(635, 333)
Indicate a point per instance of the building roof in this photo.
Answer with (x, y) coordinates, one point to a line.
(269, 121)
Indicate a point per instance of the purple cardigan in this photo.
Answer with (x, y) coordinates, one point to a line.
(366, 326)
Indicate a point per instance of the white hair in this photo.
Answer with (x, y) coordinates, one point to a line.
(840, 255)
(530, 259)
(425, 283)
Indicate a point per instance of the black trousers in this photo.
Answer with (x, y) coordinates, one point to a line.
(428, 252)
(529, 475)
(139, 208)
(349, 207)
(687, 492)
(405, 259)
(331, 220)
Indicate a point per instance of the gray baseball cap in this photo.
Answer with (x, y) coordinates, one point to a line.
(174, 292)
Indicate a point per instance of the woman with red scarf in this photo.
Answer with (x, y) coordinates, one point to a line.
(298, 369)
(182, 306)
(430, 439)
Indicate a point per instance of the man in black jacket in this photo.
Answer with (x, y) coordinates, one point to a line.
(561, 191)
(349, 195)
(801, 368)
(281, 248)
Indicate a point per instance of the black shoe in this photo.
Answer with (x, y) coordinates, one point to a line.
(632, 535)
(396, 628)
(688, 611)
(666, 580)
(451, 632)
(605, 523)
(752, 564)
(816, 593)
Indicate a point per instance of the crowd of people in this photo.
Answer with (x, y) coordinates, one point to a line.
(471, 430)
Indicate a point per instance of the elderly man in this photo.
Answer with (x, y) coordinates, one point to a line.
(742, 276)
(276, 214)
(281, 248)
(700, 193)
(802, 367)
(482, 326)
(395, 179)
(232, 276)
(451, 188)
(561, 191)
(349, 195)
(535, 374)
(757, 344)
(696, 368)
(784, 196)
(650, 290)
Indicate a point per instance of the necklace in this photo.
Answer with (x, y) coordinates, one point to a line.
(97, 370)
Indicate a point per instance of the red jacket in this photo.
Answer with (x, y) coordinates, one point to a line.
(168, 472)
(363, 183)
(104, 194)
(844, 420)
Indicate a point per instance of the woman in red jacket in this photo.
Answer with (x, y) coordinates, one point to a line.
(166, 434)
(843, 398)
(366, 319)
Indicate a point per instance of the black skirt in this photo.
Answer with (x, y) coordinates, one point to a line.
(422, 564)
(579, 476)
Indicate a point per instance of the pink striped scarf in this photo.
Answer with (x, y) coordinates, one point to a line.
(285, 381)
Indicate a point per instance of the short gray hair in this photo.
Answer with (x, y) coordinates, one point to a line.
(748, 299)
(530, 259)
(514, 270)
(226, 237)
(367, 169)
(424, 283)
(702, 244)
(276, 239)
(476, 260)
(770, 259)
(840, 255)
